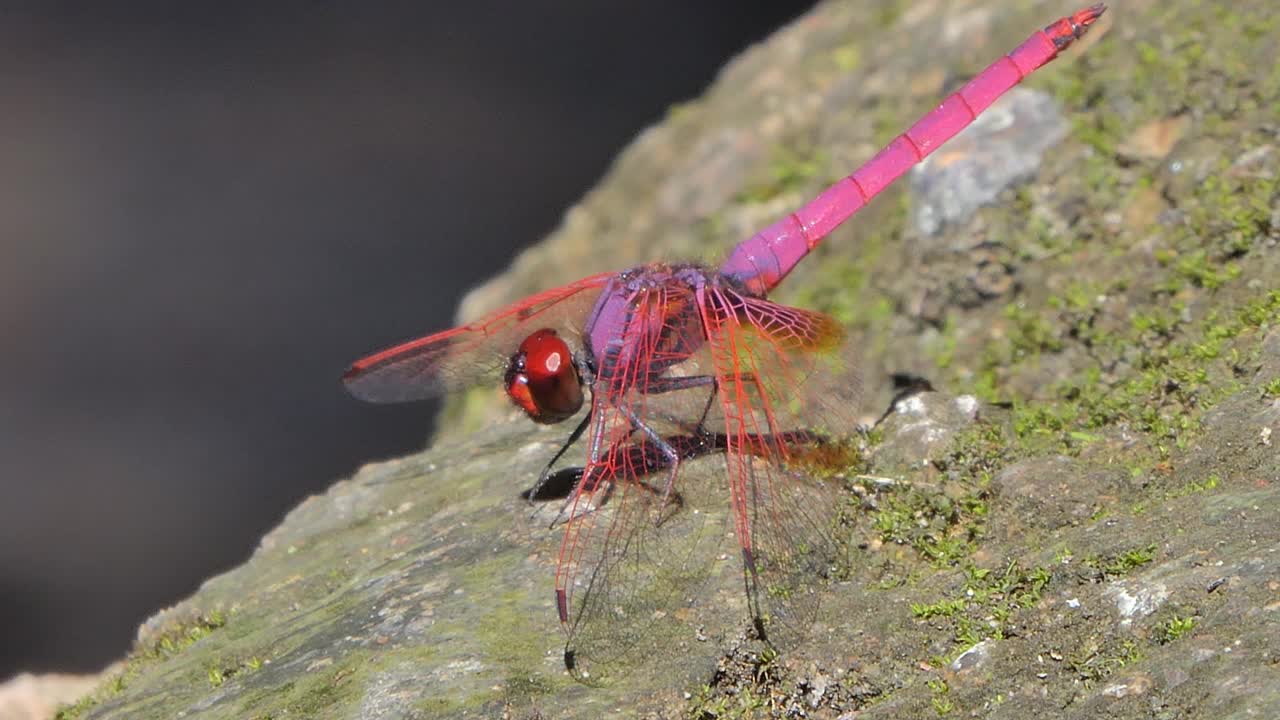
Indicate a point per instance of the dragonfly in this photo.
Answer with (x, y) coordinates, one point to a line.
(673, 361)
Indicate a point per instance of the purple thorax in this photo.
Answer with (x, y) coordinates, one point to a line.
(649, 314)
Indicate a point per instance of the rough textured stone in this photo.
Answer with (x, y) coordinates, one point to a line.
(36, 697)
(1102, 524)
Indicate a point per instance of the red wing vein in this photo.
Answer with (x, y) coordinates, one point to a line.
(462, 356)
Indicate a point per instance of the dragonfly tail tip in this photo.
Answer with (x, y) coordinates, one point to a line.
(1089, 15)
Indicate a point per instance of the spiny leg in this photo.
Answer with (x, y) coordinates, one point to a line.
(593, 459)
(546, 471)
(658, 386)
(663, 385)
(669, 453)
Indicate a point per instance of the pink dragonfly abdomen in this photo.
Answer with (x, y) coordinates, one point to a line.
(761, 261)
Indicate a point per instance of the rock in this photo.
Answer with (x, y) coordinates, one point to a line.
(36, 697)
(921, 427)
(1136, 600)
(973, 658)
(1096, 538)
(1004, 145)
(1050, 492)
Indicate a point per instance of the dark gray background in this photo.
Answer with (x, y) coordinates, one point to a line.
(206, 213)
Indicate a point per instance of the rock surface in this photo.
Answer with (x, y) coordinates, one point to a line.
(1080, 522)
(36, 697)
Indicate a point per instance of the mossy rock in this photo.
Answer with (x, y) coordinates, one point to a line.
(1097, 537)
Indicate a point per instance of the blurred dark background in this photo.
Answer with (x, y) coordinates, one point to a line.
(207, 211)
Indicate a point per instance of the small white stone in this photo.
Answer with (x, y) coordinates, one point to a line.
(968, 405)
(913, 405)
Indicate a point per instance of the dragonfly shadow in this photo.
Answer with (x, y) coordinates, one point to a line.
(905, 385)
(643, 459)
(557, 486)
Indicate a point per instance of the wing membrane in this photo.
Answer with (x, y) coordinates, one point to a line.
(777, 372)
(637, 555)
(466, 355)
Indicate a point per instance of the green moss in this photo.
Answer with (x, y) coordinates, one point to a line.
(1195, 487)
(78, 708)
(1094, 661)
(1174, 628)
(1198, 269)
(847, 57)
(171, 642)
(523, 687)
(942, 526)
(1182, 370)
(939, 690)
(790, 170)
(1158, 372)
(746, 686)
(935, 526)
(711, 704)
(1120, 564)
(942, 608)
(986, 603)
(219, 672)
(318, 692)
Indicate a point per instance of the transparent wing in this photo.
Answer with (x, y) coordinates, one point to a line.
(779, 369)
(466, 355)
(640, 541)
(636, 552)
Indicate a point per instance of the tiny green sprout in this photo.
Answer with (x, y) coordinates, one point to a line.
(941, 703)
(1122, 563)
(1195, 487)
(767, 656)
(1174, 628)
(968, 633)
(942, 608)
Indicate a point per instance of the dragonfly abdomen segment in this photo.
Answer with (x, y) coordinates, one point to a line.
(761, 261)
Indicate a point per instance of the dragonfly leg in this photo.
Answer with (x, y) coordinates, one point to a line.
(665, 385)
(593, 461)
(670, 456)
(668, 452)
(546, 471)
(564, 513)
(674, 500)
(661, 385)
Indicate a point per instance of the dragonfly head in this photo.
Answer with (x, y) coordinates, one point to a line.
(542, 378)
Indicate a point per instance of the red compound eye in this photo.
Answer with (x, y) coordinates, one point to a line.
(542, 379)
